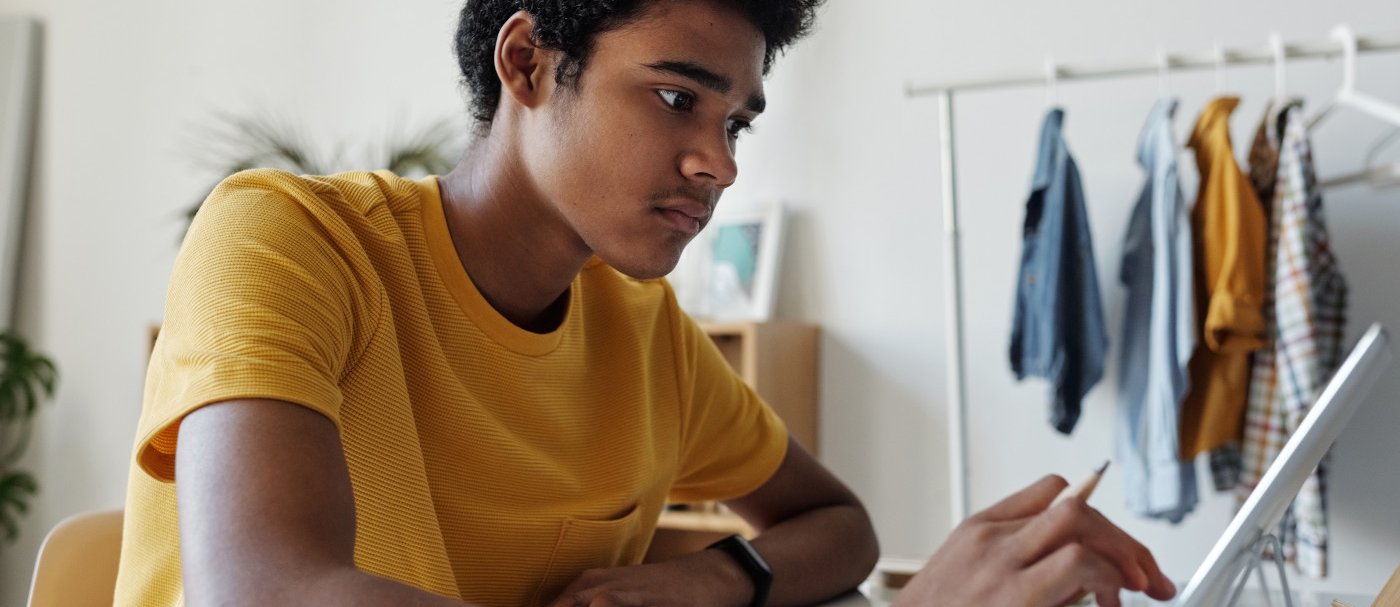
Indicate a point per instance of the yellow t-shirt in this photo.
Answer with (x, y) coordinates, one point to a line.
(488, 463)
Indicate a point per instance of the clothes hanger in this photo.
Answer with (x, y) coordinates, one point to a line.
(1220, 60)
(1052, 82)
(1165, 61)
(1348, 97)
(1164, 67)
(1379, 177)
(1280, 100)
(1385, 176)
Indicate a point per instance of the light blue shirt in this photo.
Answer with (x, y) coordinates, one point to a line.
(1158, 336)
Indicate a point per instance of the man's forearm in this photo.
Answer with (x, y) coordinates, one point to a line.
(356, 588)
(347, 587)
(818, 554)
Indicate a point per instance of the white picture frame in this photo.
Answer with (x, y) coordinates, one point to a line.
(729, 272)
(19, 76)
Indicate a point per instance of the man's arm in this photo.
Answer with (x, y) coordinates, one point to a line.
(813, 532)
(266, 512)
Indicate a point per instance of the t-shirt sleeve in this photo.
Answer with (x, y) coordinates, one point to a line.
(260, 305)
(731, 441)
(1234, 318)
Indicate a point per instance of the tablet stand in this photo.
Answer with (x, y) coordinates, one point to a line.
(1256, 555)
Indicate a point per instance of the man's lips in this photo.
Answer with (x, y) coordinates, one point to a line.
(681, 221)
(691, 208)
(686, 209)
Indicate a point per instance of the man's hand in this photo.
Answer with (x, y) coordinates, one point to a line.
(812, 531)
(1018, 553)
(709, 577)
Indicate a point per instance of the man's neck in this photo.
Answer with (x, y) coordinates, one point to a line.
(519, 252)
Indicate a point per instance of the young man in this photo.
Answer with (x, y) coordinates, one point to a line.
(475, 390)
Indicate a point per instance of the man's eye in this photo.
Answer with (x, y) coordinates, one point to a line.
(678, 100)
(737, 127)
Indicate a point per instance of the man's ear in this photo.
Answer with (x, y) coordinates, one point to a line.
(526, 70)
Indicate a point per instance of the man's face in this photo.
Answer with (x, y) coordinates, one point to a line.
(635, 156)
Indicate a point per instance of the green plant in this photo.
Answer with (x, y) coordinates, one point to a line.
(246, 143)
(27, 379)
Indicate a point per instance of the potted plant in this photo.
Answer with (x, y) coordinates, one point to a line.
(247, 143)
(27, 379)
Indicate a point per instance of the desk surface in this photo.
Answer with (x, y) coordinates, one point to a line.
(870, 596)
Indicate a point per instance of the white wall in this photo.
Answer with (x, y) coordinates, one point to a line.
(860, 162)
(130, 84)
(130, 89)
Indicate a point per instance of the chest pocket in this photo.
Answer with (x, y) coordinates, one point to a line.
(591, 544)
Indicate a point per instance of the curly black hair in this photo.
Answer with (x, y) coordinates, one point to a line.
(571, 25)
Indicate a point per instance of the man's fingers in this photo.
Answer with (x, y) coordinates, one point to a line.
(1073, 521)
(579, 593)
(589, 598)
(1108, 600)
(1026, 502)
(1060, 577)
(566, 600)
(1154, 582)
(592, 590)
(1076, 598)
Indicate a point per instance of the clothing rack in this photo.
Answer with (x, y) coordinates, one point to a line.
(1217, 59)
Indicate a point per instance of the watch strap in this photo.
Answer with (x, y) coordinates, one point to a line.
(751, 562)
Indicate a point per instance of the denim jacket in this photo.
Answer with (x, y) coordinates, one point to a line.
(1057, 331)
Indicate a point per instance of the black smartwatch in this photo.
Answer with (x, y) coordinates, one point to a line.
(743, 553)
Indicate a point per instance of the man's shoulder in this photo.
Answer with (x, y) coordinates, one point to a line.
(351, 204)
(353, 191)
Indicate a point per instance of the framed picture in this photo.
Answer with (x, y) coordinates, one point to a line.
(19, 76)
(729, 272)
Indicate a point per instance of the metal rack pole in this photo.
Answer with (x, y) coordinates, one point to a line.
(957, 399)
(1174, 62)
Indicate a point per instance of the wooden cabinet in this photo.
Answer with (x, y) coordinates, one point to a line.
(780, 362)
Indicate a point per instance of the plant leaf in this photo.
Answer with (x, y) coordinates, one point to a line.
(26, 381)
(28, 397)
(22, 431)
(15, 490)
(264, 142)
(48, 376)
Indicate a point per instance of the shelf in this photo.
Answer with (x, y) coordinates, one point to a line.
(709, 522)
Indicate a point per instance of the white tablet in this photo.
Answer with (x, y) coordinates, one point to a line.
(1265, 507)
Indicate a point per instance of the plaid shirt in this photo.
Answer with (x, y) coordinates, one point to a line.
(1306, 319)
(1226, 461)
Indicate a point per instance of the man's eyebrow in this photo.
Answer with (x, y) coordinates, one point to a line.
(709, 79)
